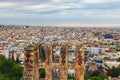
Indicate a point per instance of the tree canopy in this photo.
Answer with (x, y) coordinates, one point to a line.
(9, 70)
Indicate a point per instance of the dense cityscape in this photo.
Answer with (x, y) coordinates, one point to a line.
(96, 49)
(59, 39)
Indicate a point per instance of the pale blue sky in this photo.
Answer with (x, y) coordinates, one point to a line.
(59, 11)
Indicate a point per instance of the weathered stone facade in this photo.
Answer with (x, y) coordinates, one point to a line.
(45, 60)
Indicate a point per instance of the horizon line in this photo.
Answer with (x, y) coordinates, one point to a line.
(72, 24)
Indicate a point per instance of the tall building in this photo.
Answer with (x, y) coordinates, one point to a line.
(54, 61)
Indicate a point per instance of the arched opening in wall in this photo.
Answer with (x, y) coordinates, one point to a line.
(42, 73)
(55, 74)
(71, 74)
(56, 53)
(71, 54)
(43, 53)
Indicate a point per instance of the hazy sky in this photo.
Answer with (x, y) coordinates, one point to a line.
(59, 11)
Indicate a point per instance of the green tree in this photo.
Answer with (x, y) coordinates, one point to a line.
(71, 76)
(11, 70)
(17, 71)
(94, 75)
(89, 77)
(114, 72)
(3, 77)
(17, 61)
(6, 66)
(118, 59)
(2, 57)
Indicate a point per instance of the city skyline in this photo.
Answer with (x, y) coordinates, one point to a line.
(52, 12)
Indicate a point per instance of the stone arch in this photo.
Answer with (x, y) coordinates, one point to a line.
(42, 73)
(71, 53)
(55, 74)
(56, 53)
(42, 53)
(71, 74)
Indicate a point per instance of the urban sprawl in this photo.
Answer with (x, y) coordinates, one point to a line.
(96, 49)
